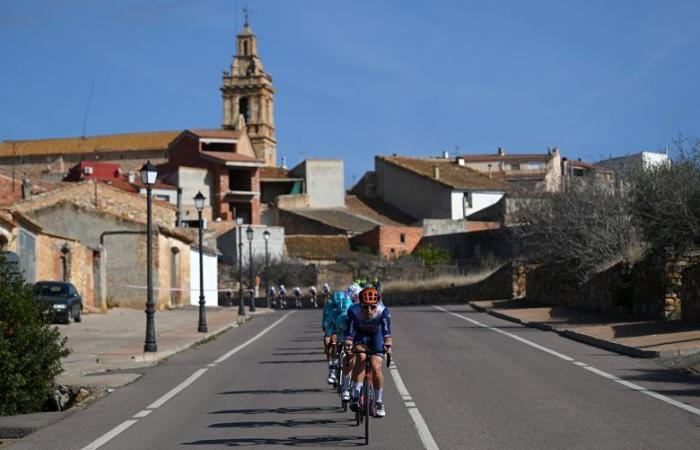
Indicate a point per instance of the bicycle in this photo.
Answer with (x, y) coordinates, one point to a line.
(282, 301)
(298, 297)
(367, 403)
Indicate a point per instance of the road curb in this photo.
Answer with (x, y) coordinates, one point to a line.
(580, 337)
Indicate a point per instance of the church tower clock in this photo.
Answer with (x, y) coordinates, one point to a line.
(248, 97)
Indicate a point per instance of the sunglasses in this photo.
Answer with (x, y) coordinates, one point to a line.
(370, 307)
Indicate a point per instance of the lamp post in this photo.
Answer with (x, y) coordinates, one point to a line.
(241, 306)
(199, 204)
(249, 235)
(148, 177)
(266, 236)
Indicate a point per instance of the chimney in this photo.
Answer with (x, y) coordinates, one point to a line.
(460, 161)
(284, 162)
(178, 211)
(445, 154)
(26, 188)
(501, 151)
(436, 172)
(131, 177)
(555, 151)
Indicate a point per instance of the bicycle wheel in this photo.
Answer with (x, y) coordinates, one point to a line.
(366, 386)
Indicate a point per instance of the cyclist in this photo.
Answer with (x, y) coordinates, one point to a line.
(312, 296)
(369, 327)
(283, 297)
(354, 291)
(297, 293)
(330, 311)
(341, 325)
(271, 296)
(325, 292)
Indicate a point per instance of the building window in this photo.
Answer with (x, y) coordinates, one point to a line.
(402, 238)
(468, 201)
(515, 167)
(165, 198)
(245, 47)
(244, 108)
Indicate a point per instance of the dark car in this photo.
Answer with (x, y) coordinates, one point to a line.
(61, 298)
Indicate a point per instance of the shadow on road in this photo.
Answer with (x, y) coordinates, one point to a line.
(294, 348)
(280, 391)
(297, 353)
(289, 423)
(288, 410)
(294, 441)
(297, 361)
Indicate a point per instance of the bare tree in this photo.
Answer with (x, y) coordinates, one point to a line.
(583, 228)
(666, 199)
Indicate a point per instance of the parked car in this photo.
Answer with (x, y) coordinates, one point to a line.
(60, 298)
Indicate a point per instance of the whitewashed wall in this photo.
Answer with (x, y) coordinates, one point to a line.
(210, 278)
(480, 200)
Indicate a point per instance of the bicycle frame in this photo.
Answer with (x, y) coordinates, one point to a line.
(367, 405)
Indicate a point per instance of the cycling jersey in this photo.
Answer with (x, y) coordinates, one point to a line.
(341, 318)
(330, 312)
(370, 332)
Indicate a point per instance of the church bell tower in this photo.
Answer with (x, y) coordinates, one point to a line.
(249, 97)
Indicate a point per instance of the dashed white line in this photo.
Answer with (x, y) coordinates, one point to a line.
(102, 440)
(611, 377)
(422, 428)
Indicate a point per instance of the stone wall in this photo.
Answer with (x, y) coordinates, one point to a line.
(498, 286)
(690, 294)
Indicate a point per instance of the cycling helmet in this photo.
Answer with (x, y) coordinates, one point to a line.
(354, 290)
(369, 296)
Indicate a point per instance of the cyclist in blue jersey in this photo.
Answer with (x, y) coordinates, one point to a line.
(369, 328)
(330, 310)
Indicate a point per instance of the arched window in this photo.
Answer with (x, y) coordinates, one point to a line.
(245, 47)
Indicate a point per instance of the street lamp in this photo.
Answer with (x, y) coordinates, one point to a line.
(241, 306)
(148, 178)
(249, 235)
(266, 236)
(199, 204)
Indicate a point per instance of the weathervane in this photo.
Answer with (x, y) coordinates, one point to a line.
(246, 12)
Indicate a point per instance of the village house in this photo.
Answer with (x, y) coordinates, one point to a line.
(110, 223)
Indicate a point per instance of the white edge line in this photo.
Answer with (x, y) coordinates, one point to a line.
(227, 355)
(99, 442)
(176, 390)
(603, 374)
(102, 440)
(422, 428)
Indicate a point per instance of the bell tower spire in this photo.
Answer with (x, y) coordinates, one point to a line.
(248, 92)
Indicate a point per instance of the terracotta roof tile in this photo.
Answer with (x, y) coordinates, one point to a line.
(273, 173)
(216, 133)
(158, 140)
(314, 247)
(233, 157)
(377, 210)
(451, 173)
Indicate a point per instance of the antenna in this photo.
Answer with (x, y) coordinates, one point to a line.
(87, 108)
(246, 12)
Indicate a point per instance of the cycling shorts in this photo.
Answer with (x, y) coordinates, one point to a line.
(373, 342)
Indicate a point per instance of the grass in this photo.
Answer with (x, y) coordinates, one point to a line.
(438, 282)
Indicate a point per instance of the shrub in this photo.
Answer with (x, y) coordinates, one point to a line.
(30, 348)
(432, 256)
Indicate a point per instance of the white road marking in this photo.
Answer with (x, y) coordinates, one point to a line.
(102, 440)
(177, 389)
(225, 356)
(510, 335)
(611, 377)
(422, 428)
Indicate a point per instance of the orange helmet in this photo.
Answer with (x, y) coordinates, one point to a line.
(369, 296)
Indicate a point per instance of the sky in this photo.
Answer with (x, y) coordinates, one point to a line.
(360, 78)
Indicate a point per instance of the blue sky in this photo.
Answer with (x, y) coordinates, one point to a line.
(364, 77)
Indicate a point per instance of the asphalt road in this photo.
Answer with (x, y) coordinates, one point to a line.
(462, 379)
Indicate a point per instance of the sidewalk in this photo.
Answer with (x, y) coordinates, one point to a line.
(637, 338)
(114, 341)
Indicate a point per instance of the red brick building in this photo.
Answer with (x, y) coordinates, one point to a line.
(390, 241)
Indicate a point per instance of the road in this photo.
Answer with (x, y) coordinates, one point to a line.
(465, 380)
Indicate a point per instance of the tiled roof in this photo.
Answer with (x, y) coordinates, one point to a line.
(590, 166)
(232, 157)
(217, 133)
(273, 173)
(377, 210)
(158, 140)
(451, 173)
(340, 218)
(540, 157)
(314, 247)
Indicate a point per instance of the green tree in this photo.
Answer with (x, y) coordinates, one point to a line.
(432, 256)
(30, 348)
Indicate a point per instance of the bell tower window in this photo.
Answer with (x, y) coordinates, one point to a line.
(244, 108)
(245, 47)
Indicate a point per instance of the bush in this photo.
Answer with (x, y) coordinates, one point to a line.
(432, 256)
(30, 348)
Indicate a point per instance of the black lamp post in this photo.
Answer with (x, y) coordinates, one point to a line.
(148, 177)
(249, 235)
(241, 306)
(266, 236)
(199, 204)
